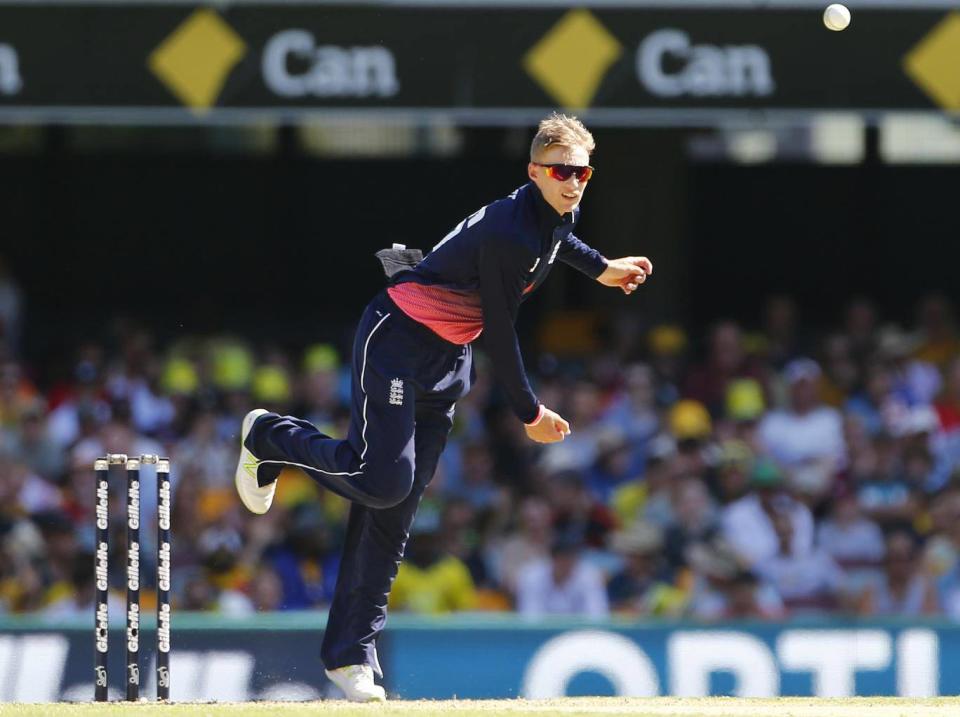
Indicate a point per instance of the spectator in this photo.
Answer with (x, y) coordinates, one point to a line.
(918, 468)
(198, 593)
(851, 539)
(220, 550)
(270, 384)
(882, 489)
(77, 601)
(722, 589)
(727, 360)
(202, 449)
(780, 330)
(734, 466)
(82, 406)
(60, 554)
(617, 463)
(430, 580)
(137, 383)
(575, 511)
(17, 393)
(903, 590)
(477, 485)
(872, 403)
(564, 584)
(808, 581)
(806, 437)
(947, 404)
(31, 445)
(942, 551)
(304, 562)
(578, 451)
(841, 374)
(648, 496)
(668, 345)
(320, 385)
(916, 382)
(747, 599)
(529, 543)
(460, 528)
(26, 492)
(634, 412)
(745, 406)
(692, 429)
(946, 442)
(643, 586)
(694, 522)
(748, 524)
(938, 342)
(22, 583)
(266, 590)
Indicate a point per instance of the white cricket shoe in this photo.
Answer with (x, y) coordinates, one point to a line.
(257, 498)
(356, 682)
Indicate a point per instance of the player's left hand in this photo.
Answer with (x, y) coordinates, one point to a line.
(627, 273)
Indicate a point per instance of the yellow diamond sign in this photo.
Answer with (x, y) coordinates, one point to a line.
(571, 60)
(196, 59)
(934, 64)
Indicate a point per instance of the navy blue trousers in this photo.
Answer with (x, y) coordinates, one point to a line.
(406, 380)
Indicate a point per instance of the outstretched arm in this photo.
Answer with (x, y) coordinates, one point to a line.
(627, 273)
(581, 257)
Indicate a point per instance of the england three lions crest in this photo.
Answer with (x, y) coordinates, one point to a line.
(396, 392)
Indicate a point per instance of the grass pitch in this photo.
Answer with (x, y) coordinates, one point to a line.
(567, 707)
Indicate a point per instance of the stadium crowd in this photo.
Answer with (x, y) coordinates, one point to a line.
(763, 474)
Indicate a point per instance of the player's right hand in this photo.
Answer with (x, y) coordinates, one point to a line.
(551, 428)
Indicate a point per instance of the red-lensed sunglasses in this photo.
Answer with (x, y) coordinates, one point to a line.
(563, 172)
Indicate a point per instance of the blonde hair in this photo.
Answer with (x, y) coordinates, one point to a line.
(563, 130)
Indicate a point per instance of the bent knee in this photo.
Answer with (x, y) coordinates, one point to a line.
(393, 491)
(389, 500)
(382, 503)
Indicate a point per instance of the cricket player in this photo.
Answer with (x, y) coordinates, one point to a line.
(412, 361)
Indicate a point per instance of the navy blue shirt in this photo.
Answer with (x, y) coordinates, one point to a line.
(503, 252)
